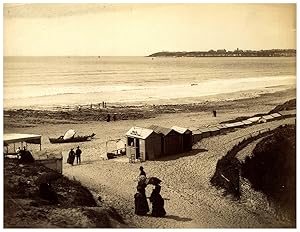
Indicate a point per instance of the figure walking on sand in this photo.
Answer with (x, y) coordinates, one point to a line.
(140, 199)
(157, 202)
(215, 113)
(71, 157)
(78, 155)
(142, 172)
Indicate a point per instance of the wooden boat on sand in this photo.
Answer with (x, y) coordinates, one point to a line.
(74, 139)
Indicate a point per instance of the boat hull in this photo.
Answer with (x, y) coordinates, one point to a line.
(72, 140)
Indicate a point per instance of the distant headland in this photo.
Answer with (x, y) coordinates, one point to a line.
(224, 53)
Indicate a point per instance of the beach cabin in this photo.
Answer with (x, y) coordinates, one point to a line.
(172, 141)
(187, 137)
(214, 131)
(205, 132)
(222, 128)
(288, 113)
(143, 144)
(197, 136)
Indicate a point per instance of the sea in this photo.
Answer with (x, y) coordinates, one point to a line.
(49, 82)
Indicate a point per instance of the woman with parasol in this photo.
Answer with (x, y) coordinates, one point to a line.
(156, 199)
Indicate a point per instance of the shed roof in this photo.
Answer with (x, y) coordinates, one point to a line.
(222, 126)
(197, 132)
(15, 138)
(246, 122)
(160, 130)
(275, 115)
(204, 130)
(234, 124)
(287, 112)
(139, 132)
(180, 130)
(268, 117)
(214, 129)
(253, 119)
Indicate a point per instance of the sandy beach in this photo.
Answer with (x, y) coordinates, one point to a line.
(190, 200)
(102, 69)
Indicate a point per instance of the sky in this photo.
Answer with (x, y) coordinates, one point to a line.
(142, 29)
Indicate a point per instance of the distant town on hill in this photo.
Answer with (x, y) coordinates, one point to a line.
(224, 53)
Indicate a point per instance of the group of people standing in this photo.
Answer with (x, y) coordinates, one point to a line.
(73, 155)
(108, 117)
(140, 198)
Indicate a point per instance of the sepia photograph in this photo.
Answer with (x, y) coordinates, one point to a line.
(157, 116)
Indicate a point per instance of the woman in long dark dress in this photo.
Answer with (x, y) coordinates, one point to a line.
(157, 203)
(71, 157)
(140, 201)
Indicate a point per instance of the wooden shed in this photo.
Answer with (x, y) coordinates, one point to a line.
(214, 131)
(197, 136)
(288, 113)
(205, 132)
(143, 144)
(22, 139)
(172, 141)
(187, 137)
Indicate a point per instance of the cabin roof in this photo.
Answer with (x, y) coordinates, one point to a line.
(268, 117)
(275, 115)
(15, 138)
(222, 126)
(246, 122)
(234, 124)
(287, 112)
(139, 132)
(204, 130)
(180, 130)
(254, 119)
(160, 130)
(213, 129)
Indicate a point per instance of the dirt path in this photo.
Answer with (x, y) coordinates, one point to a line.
(190, 200)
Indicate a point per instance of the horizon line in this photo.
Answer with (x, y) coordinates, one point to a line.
(146, 55)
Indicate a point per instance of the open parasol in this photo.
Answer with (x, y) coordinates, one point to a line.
(153, 181)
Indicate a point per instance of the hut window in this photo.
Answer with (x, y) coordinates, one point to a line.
(130, 141)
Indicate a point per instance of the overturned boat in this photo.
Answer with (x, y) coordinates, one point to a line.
(70, 137)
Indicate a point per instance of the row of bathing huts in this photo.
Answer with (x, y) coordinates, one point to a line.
(156, 142)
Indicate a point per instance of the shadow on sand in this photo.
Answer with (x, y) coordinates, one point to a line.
(173, 217)
(177, 156)
(85, 162)
(177, 218)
